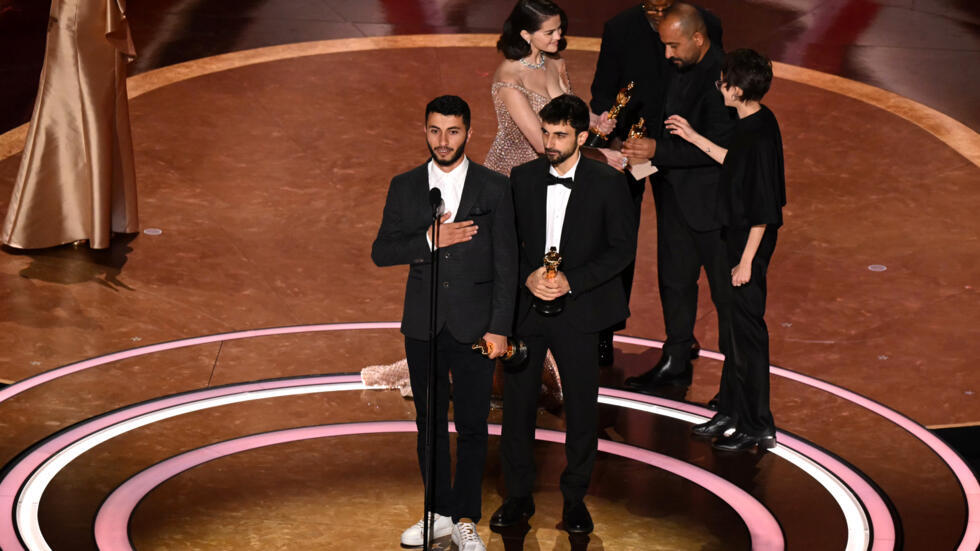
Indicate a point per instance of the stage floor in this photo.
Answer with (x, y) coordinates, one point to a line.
(266, 172)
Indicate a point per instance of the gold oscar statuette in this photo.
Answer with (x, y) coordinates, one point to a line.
(515, 355)
(597, 138)
(550, 307)
(638, 130)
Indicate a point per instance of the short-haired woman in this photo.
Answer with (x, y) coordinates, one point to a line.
(753, 192)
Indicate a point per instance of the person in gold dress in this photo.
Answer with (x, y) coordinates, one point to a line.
(76, 179)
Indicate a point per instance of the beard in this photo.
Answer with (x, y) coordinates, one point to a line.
(455, 156)
(559, 156)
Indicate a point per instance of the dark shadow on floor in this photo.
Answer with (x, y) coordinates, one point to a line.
(70, 264)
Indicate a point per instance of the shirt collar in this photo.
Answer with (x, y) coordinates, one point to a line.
(453, 174)
(571, 171)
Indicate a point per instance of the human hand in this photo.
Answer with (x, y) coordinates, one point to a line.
(640, 149)
(741, 274)
(544, 287)
(454, 232)
(678, 126)
(496, 344)
(602, 122)
(614, 158)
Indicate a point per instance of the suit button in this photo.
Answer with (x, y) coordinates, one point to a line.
(445, 284)
(447, 256)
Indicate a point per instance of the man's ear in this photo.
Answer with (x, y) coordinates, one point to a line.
(698, 38)
(582, 136)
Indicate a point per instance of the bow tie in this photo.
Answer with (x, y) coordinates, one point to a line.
(567, 182)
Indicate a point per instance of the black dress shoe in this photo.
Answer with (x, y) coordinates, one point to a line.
(576, 519)
(605, 348)
(668, 371)
(513, 510)
(740, 441)
(717, 426)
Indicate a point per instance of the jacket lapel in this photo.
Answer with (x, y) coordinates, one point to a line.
(576, 208)
(420, 189)
(539, 198)
(472, 186)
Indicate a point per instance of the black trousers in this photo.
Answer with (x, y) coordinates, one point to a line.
(681, 252)
(472, 384)
(744, 392)
(578, 366)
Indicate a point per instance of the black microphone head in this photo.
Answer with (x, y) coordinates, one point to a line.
(435, 197)
(435, 200)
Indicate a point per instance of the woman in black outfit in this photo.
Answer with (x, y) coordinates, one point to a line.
(753, 192)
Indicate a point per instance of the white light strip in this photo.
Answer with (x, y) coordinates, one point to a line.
(858, 526)
(29, 500)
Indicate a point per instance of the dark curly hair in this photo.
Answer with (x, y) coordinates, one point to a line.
(749, 70)
(528, 15)
(566, 108)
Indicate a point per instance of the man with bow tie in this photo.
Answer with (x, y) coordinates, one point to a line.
(582, 208)
(477, 250)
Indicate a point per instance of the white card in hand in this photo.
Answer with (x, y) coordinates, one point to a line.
(642, 170)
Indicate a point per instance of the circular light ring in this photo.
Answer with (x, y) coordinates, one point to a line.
(964, 475)
(41, 464)
(112, 520)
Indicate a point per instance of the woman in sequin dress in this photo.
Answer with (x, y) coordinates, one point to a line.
(531, 74)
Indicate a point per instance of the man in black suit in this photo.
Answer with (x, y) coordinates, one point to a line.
(477, 248)
(632, 51)
(686, 193)
(582, 208)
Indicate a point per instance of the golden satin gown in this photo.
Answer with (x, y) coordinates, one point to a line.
(77, 179)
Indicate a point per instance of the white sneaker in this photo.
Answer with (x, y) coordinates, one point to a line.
(441, 527)
(466, 538)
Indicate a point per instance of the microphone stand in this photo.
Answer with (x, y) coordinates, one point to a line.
(435, 198)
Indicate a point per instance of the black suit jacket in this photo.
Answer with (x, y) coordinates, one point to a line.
(693, 175)
(598, 240)
(477, 278)
(632, 51)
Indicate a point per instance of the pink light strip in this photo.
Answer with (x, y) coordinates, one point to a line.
(878, 513)
(962, 472)
(21, 471)
(112, 521)
(966, 478)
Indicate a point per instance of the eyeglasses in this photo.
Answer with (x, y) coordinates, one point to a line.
(649, 6)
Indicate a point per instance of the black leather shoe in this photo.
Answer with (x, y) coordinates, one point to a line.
(717, 426)
(513, 510)
(605, 348)
(740, 441)
(668, 371)
(576, 519)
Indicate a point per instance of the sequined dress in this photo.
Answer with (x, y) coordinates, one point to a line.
(511, 147)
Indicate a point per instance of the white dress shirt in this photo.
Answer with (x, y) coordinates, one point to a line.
(557, 203)
(451, 185)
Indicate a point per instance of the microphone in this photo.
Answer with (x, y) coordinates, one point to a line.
(435, 200)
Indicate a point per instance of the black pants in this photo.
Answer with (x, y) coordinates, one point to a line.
(578, 366)
(681, 252)
(744, 391)
(472, 383)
